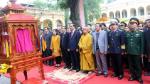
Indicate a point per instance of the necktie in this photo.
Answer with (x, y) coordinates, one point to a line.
(71, 33)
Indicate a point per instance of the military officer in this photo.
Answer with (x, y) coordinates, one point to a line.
(134, 47)
(115, 40)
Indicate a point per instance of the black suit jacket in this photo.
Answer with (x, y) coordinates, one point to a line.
(147, 41)
(64, 40)
(74, 40)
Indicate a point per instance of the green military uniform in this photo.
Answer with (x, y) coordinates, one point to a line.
(135, 42)
(134, 48)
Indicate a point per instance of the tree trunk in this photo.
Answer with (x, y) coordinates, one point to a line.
(81, 13)
(86, 15)
(74, 9)
(66, 16)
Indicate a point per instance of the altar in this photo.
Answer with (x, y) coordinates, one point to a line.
(19, 41)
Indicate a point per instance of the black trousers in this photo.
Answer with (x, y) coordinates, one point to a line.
(125, 60)
(135, 66)
(108, 57)
(58, 60)
(75, 59)
(148, 67)
(47, 53)
(117, 64)
(146, 64)
(66, 57)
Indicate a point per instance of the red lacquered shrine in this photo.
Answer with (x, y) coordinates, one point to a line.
(19, 43)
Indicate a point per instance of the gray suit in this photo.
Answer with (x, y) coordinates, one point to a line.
(100, 51)
(102, 42)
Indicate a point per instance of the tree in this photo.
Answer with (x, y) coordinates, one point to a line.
(39, 4)
(43, 4)
(73, 5)
(92, 9)
(74, 10)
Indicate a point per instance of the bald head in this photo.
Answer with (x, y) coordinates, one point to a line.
(86, 29)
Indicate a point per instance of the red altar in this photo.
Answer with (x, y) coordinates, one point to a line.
(19, 41)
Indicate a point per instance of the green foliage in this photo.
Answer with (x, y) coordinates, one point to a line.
(39, 4)
(63, 4)
(42, 4)
(92, 9)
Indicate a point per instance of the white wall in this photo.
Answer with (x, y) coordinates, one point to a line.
(120, 5)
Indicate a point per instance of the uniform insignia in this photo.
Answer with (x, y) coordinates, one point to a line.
(137, 34)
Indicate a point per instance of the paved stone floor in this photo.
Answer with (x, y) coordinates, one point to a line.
(5, 80)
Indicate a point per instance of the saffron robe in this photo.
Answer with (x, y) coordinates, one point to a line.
(86, 57)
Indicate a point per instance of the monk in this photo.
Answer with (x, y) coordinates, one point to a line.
(85, 46)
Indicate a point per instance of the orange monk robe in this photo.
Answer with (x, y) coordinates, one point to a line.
(86, 58)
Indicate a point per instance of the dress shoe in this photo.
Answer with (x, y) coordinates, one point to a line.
(69, 67)
(131, 79)
(65, 67)
(86, 72)
(120, 77)
(105, 75)
(72, 69)
(114, 75)
(98, 74)
(147, 74)
(77, 70)
(140, 81)
(58, 65)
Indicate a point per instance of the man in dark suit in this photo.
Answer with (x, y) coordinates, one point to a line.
(147, 45)
(47, 37)
(73, 48)
(63, 44)
(115, 41)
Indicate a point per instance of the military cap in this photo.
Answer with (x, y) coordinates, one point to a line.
(113, 22)
(134, 20)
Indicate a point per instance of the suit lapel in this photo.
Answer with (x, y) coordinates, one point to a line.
(73, 34)
(99, 34)
(95, 36)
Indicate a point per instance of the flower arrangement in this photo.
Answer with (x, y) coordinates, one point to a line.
(4, 68)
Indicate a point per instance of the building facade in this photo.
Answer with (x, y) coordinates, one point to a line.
(51, 19)
(126, 9)
(46, 18)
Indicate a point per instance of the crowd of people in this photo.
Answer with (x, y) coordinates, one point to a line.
(89, 50)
